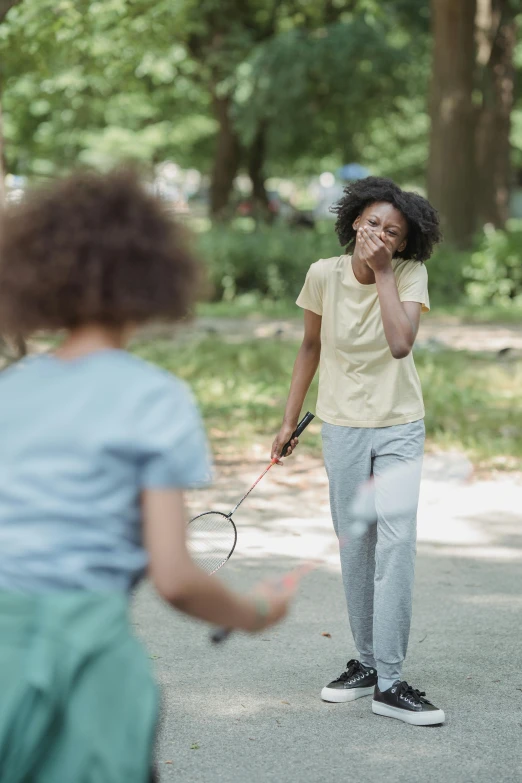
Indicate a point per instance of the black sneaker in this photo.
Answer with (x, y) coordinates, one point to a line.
(403, 702)
(355, 682)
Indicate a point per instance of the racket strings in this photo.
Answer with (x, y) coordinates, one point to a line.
(211, 540)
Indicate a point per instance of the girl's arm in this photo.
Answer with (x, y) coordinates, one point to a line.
(400, 319)
(305, 368)
(184, 585)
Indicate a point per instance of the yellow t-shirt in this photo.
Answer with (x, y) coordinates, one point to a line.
(360, 383)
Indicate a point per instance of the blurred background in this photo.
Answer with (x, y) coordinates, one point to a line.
(249, 117)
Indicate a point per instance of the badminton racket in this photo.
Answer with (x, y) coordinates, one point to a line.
(212, 536)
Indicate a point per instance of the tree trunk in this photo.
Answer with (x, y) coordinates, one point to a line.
(451, 166)
(5, 7)
(2, 162)
(226, 160)
(256, 162)
(496, 36)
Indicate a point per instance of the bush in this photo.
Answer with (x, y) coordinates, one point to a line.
(494, 270)
(273, 261)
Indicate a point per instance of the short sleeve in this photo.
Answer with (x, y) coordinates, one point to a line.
(413, 285)
(174, 448)
(311, 296)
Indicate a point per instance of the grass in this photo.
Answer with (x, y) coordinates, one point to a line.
(251, 306)
(473, 401)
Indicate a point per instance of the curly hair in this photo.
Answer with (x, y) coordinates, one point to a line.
(422, 219)
(92, 249)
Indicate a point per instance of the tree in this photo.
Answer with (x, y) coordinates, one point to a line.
(472, 101)
(451, 169)
(496, 32)
(98, 82)
(327, 93)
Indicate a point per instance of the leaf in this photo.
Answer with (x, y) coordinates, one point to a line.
(328, 635)
(194, 746)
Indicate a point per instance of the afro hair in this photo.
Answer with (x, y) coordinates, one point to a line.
(422, 219)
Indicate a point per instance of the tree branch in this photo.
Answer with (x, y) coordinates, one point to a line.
(5, 7)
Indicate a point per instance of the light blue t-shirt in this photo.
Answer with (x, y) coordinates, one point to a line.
(79, 440)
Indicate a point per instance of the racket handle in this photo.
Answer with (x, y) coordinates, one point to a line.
(303, 424)
(220, 635)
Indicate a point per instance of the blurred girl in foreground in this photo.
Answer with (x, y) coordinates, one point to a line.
(96, 449)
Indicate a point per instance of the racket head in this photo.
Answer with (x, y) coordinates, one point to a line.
(212, 538)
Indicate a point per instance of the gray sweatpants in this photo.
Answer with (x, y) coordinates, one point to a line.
(378, 566)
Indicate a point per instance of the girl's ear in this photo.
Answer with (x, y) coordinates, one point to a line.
(356, 223)
(402, 246)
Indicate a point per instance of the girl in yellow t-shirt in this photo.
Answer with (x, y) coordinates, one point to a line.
(361, 313)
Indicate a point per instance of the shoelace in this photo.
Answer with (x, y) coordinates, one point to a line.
(411, 694)
(352, 667)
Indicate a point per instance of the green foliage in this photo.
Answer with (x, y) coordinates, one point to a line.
(473, 402)
(98, 82)
(325, 90)
(270, 261)
(446, 280)
(494, 270)
(241, 387)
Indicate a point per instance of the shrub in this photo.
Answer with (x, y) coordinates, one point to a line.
(494, 270)
(273, 261)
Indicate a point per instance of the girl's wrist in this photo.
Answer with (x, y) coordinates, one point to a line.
(261, 607)
(383, 274)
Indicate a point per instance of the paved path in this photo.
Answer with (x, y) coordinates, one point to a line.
(250, 712)
(449, 332)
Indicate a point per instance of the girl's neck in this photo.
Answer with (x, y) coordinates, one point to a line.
(361, 270)
(90, 339)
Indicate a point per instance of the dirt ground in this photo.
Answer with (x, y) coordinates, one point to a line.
(250, 710)
(434, 332)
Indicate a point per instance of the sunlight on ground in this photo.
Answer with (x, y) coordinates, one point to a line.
(288, 515)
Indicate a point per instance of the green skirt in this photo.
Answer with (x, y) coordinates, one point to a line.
(78, 703)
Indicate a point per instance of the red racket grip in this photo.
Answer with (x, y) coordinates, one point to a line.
(303, 424)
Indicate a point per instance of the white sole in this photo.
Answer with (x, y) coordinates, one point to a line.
(431, 718)
(341, 695)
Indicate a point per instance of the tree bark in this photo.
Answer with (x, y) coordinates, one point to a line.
(226, 159)
(496, 37)
(5, 7)
(451, 168)
(2, 163)
(256, 163)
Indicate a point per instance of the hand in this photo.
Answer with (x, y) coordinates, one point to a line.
(373, 251)
(271, 602)
(282, 437)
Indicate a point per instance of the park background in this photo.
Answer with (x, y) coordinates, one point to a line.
(248, 117)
